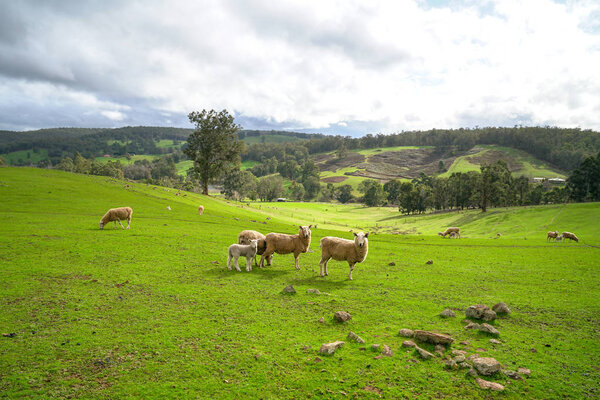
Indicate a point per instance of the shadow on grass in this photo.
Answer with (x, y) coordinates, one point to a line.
(221, 271)
(324, 284)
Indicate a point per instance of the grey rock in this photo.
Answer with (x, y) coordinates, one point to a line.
(431, 337)
(463, 365)
(387, 351)
(512, 374)
(447, 313)
(486, 365)
(423, 353)
(322, 320)
(480, 311)
(313, 291)
(465, 343)
(289, 289)
(524, 371)
(440, 354)
(495, 341)
(409, 343)
(501, 308)
(406, 333)
(459, 359)
(353, 336)
(489, 385)
(429, 262)
(473, 325)
(473, 356)
(459, 353)
(439, 347)
(487, 328)
(342, 316)
(391, 264)
(451, 364)
(330, 348)
(472, 372)
(376, 347)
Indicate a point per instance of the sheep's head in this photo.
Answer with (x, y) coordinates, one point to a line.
(254, 243)
(360, 239)
(304, 231)
(101, 224)
(441, 233)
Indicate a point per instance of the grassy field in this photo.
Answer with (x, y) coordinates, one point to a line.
(28, 156)
(153, 312)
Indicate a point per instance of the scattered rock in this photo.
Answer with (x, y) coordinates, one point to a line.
(501, 308)
(489, 385)
(487, 328)
(307, 347)
(439, 347)
(512, 374)
(379, 357)
(524, 371)
(486, 365)
(313, 291)
(459, 353)
(481, 350)
(342, 316)
(447, 313)
(480, 311)
(429, 262)
(533, 350)
(472, 372)
(376, 347)
(322, 320)
(392, 264)
(406, 333)
(459, 359)
(450, 364)
(473, 356)
(463, 365)
(317, 359)
(355, 337)
(472, 325)
(10, 335)
(387, 352)
(495, 341)
(423, 353)
(289, 290)
(409, 343)
(330, 348)
(431, 337)
(465, 343)
(440, 354)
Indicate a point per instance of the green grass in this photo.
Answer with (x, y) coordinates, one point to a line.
(168, 143)
(248, 164)
(34, 158)
(126, 161)
(183, 166)
(379, 150)
(152, 312)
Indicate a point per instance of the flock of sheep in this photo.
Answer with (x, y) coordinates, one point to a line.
(252, 243)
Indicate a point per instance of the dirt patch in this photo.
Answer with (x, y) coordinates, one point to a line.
(333, 163)
(406, 163)
(334, 179)
(491, 156)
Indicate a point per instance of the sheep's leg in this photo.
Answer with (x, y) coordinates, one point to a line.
(235, 263)
(296, 261)
(128, 223)
(262, 261)
(229, 262)
(322, 264)
(122, 227)
(115, 225)
(249, 264)
(351, 269)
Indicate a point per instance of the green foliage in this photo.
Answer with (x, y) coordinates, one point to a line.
(344, 194)
(373, 194)
(213, 146)
(239, 184)
(584, 181)
(296, 191)
(270, 187)
(494, 184)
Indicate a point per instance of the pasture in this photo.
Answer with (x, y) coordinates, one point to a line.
(153, 312)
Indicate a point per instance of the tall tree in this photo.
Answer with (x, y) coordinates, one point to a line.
(213, 146)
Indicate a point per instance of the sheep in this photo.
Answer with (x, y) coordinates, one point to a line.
(246, 250)
(559, 238)
(117, 214)
(244, 238)
(453, 235)
(551, 235)
(281, 243)
(169, 208)
(343, 249)
(200, 210)
(450, 230)
(571, 236)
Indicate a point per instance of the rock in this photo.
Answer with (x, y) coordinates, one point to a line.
(330, 348)
(447, 313)
(342, 316)
(355, 337)
(501, 308)
(429, 262)
(495, 341)
(524, 371)
(379, 357)
(512, 374)
(463, 365)
(465, 343)
(480, 311)
(322, 320)
(376, 347)
(289, 290)
(489, 385)
(307, 347)
(487, 328)
(392, 264)
(423, 353)
(459, 353)
(387, 351)
(450, 364)
(431, 337)
(459, 359)
(439, 347)
(486, 365)
(313, 291)
(406, 333)
(9, 335)
(481, 350)
(472, 325)
(317, 359)
(409, 343)
(473, 356)
(472, 372)
(533, 350)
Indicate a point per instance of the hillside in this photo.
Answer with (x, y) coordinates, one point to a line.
(153, 312)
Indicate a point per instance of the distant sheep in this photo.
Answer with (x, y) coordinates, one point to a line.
(552, 235)
(245, 250)
(571, 236)
(200, 210)
(169, 208)
(116, 215)
(281, 243)
(353, 251)
(246, 236)
(448, 231)
(453, 235)
(559, 238)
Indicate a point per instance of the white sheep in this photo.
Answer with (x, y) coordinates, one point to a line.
(200, 210)
(453, 235)
(281, 243)
(559, 238)
(571, 236)
(552, 235)
(246, 250)
(353, 251)
(246, 236)
(117, 214)
(449, 231)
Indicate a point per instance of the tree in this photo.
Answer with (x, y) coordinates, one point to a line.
(373, 192)
(270, 187)
(584, 181)
(213, 146)
(312, 186)
(296, 191)
(238, 184)
(344, 193)
(392, 190)
(495, 179)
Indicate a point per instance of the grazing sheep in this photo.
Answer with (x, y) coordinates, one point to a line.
(246, 236)
(569, 235)
(281, 243)
(453, 235)
(200, 210)
(246, 250)
(117, 214)
(552, 235)
(353, 251)
(450, 230)
(559, 238)
(169, 208)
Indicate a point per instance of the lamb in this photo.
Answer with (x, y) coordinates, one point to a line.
(450, 230)
(453, 235)
(344, 249)
(200, 210)
(244, 238)
(571, 236)
(117, 214)
(246, 250)
(281, 243)
(559, 238)
(551, 235)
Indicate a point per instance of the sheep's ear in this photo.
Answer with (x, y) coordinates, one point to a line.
(355, 235)
(310, 226)
(366, 235)
(300, 226)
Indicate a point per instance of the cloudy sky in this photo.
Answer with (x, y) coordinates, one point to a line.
(343, 67)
